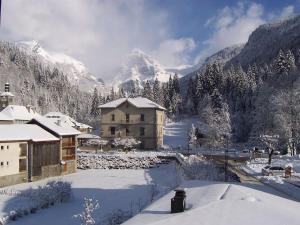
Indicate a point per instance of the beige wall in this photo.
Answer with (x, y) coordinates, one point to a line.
(10, 156)
(153, 123)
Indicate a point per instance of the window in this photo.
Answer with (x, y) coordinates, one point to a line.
(127, 132)
(7, 147)
(7, 163)
(2, 163)
(142, 131)
(112, 117)
(142, 117)
(127, 118)
(2, 147)
(112, 130)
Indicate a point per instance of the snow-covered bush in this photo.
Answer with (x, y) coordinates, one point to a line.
(126, 143)
(33, 199)
(89, 206)
(97, 143)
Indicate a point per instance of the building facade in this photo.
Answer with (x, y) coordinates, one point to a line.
(27, 153)
(67, 143)
(133, 117)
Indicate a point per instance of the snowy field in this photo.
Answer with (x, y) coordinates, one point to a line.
(128, 190)
(176, 133)
(211, 203)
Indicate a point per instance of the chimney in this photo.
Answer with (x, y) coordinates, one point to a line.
(29, 108)
(6, 87)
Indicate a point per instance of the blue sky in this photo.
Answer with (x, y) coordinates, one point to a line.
(101, 33)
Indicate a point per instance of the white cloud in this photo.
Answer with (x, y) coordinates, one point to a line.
(232, 25)
(97, 32)
(287, 12)
(174, 52)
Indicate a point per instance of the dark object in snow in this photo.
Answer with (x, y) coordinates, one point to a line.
(178, 202)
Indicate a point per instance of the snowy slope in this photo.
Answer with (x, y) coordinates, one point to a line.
(213, 203)
(138, 68)
(75, 70)
(221, 56)
(266, 41)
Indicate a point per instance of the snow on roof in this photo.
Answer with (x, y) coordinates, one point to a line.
(56, 128)
(25, 132)
(4, 94)
(220, 203)
(65, 121)
(138, 102)
(18, 112)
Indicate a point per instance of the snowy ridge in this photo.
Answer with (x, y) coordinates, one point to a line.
(76, 71)
(138, 68)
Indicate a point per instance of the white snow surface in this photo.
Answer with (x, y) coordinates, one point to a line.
(211, 203)
(114, 189)
(139, 67)
(18, 112)
(176, 133)
(75, 70)
(64, 120)
(60, 130)
(24, 132)
(138, 102)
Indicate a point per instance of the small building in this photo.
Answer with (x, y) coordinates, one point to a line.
(6, 97)
(27, 153)
(139, 117)
(67, 142)
(66, 121)
(17, 114)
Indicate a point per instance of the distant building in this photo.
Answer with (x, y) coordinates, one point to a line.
(6, 97)
(65, 121)
(17, 114)
(133, 117)
(67, 142)
(27, 152)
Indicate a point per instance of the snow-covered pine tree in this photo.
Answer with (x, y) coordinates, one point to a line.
(147, 92)
(280, 63)
(157, 92)
(95, 112)
(290, 61)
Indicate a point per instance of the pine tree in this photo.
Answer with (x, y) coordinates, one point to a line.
(280, 64)
(290, 61)
(157, 93)
(147, 92)
(176, 84)
(95, 104)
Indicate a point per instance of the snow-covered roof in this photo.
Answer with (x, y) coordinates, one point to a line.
(65, 121)
(25, 132)
(138, 102)
(56, 128)
(220, 203)
(4, 94)
(18, 112)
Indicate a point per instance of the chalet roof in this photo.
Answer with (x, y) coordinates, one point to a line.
(65, 121)
(18, 112)
(25, 132)
(55, 127)
(138, 102)
(4, 94)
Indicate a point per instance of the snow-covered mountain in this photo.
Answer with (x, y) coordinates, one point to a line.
(265, 42)
(221, 56)
(137, 68)
(76, 71)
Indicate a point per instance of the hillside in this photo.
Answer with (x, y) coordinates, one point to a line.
(76, 71)
(266, 41)
(35, 83)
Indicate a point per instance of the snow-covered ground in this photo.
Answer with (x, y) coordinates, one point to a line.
(176, 133)
(290, 186)
(211, 203)
(128, 190)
